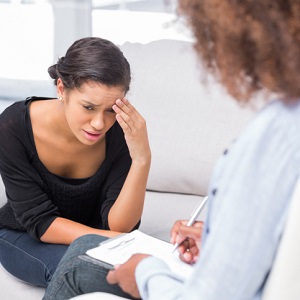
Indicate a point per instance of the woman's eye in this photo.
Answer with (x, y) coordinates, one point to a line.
(111, 111)
(87, 107)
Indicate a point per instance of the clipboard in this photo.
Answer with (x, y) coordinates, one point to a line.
(119, 249)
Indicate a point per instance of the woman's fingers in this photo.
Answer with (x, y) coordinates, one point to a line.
(135, 130)
(128, 114)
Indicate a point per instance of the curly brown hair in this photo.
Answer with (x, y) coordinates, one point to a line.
(249, 45)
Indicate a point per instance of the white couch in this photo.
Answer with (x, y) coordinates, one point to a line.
(189, 127)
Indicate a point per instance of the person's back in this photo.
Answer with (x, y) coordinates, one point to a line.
(252, 48)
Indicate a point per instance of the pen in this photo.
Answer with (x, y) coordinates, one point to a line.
(193, 218)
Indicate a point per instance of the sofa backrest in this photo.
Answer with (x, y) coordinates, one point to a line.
(189, 124)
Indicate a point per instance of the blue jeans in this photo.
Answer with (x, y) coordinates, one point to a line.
(77, 274)
(28, 259)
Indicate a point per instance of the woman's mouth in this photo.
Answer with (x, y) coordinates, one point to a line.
(92, 136)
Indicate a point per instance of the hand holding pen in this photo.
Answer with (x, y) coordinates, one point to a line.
(187, 235)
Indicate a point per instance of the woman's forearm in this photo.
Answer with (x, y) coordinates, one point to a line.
(128, 208)
(123, 216)
(64, 231)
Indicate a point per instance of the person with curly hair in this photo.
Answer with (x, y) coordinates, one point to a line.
(252, 47)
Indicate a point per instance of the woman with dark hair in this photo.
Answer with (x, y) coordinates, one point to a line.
(251, 46)
(68, 167)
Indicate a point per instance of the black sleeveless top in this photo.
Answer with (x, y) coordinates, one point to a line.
(35, 196)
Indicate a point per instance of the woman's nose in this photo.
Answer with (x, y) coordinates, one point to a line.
(98, 122)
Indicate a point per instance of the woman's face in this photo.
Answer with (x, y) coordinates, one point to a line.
(88, 110)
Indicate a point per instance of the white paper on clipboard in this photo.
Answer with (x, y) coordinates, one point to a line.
(119, 249)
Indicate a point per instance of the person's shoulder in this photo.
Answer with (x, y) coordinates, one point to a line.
(18, 108)
(12, 121)
(13, 110)
(273, 133)
(276, 117)
(279, 110)
(281, 119)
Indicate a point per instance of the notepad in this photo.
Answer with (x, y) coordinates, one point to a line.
(119, 249)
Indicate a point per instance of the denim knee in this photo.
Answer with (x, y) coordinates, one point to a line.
(27, 259)
(77, 277)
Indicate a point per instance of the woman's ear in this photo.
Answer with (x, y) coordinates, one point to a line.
(60, 88)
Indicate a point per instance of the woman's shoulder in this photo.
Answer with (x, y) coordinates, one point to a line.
(281, 112)
(14, 119)
(271, 141)
(13, 129)
(13, 112)
(18, 108)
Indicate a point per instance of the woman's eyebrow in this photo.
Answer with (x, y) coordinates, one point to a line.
(95, 105)
(90, 103)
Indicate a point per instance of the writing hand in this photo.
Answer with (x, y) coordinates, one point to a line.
(123, 275)
(189, 238)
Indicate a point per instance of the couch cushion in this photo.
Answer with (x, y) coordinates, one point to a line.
(163, 209)
(189, 124)
(14, 289)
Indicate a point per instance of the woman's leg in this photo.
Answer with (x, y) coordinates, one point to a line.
(28, 259)
(76, 275)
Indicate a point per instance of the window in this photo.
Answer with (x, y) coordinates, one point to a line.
(34, 33)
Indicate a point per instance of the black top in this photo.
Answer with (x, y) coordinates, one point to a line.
(35, 196)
